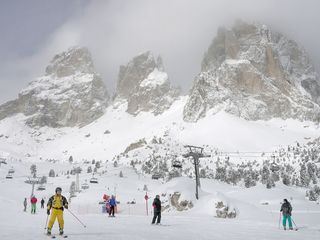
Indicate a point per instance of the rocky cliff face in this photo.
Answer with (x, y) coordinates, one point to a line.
(70, 93)
(255, 73)
(145, 85)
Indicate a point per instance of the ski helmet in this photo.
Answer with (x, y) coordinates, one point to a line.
(58, 189)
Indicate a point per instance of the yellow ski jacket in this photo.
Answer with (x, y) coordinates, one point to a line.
(57, 202)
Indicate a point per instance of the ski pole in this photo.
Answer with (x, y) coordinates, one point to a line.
(45, 227)
(77, 218)
(294, 223)
(279, 220)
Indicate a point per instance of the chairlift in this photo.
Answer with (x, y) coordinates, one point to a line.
(156, 176)
(85, 185)
(2, 160)
(9, 176)
(41, 188)
(94, 180)
(177, 164)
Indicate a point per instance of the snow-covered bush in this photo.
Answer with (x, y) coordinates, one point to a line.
(223, 211)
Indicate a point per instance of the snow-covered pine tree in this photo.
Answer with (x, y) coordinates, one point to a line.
(52, 173)
(43, 180)
(33, 170)
(265, 173)
(221, 173)
(115, 164)
(286, 179)
(312, 171)
(72, 189)
(98, 165)
(249, 179)
(304, 176)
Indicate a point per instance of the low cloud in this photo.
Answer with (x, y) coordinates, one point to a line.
(180, 31)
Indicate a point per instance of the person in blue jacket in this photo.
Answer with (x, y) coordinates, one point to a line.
(113, 204)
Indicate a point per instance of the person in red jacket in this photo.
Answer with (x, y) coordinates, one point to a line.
(33, 204)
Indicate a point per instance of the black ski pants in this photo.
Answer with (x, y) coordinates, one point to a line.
(156, 216)
(111, 211)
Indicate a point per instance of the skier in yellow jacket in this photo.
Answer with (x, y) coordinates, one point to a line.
(57, 203)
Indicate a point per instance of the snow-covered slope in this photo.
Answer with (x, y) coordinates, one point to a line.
(257, 208)
(111, 134)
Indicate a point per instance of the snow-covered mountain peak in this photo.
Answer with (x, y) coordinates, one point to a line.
(256, 73)
(145, 85)
(70, 93)
(138, 69)
(74, 60)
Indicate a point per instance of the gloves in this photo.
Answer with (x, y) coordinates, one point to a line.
(48, 211)
(66, 206)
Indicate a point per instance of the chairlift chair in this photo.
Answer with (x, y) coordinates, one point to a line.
(94, 180)
(85, 186)
(156, 176)
(177, 164)
(41, 188)
(9, 176)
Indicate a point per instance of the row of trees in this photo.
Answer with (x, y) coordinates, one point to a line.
(293, 166)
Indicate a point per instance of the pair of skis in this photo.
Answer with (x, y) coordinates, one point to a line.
(55, 236)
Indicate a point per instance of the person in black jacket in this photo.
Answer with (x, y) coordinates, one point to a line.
(42, 203)
(156, 210)
(286, 210)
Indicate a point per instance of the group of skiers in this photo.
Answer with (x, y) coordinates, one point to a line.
(111, 204)
(33, 201)
(57, 203)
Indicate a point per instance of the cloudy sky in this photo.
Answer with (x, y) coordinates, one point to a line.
(115, 31)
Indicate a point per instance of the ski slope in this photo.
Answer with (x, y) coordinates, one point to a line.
(255, 220)
(109, 136)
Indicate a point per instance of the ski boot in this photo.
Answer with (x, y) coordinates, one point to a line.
(60, 232)
(284, 228)
(49, 232)
(291, 228)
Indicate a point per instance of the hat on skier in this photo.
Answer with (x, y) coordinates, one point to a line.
(58, 189)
